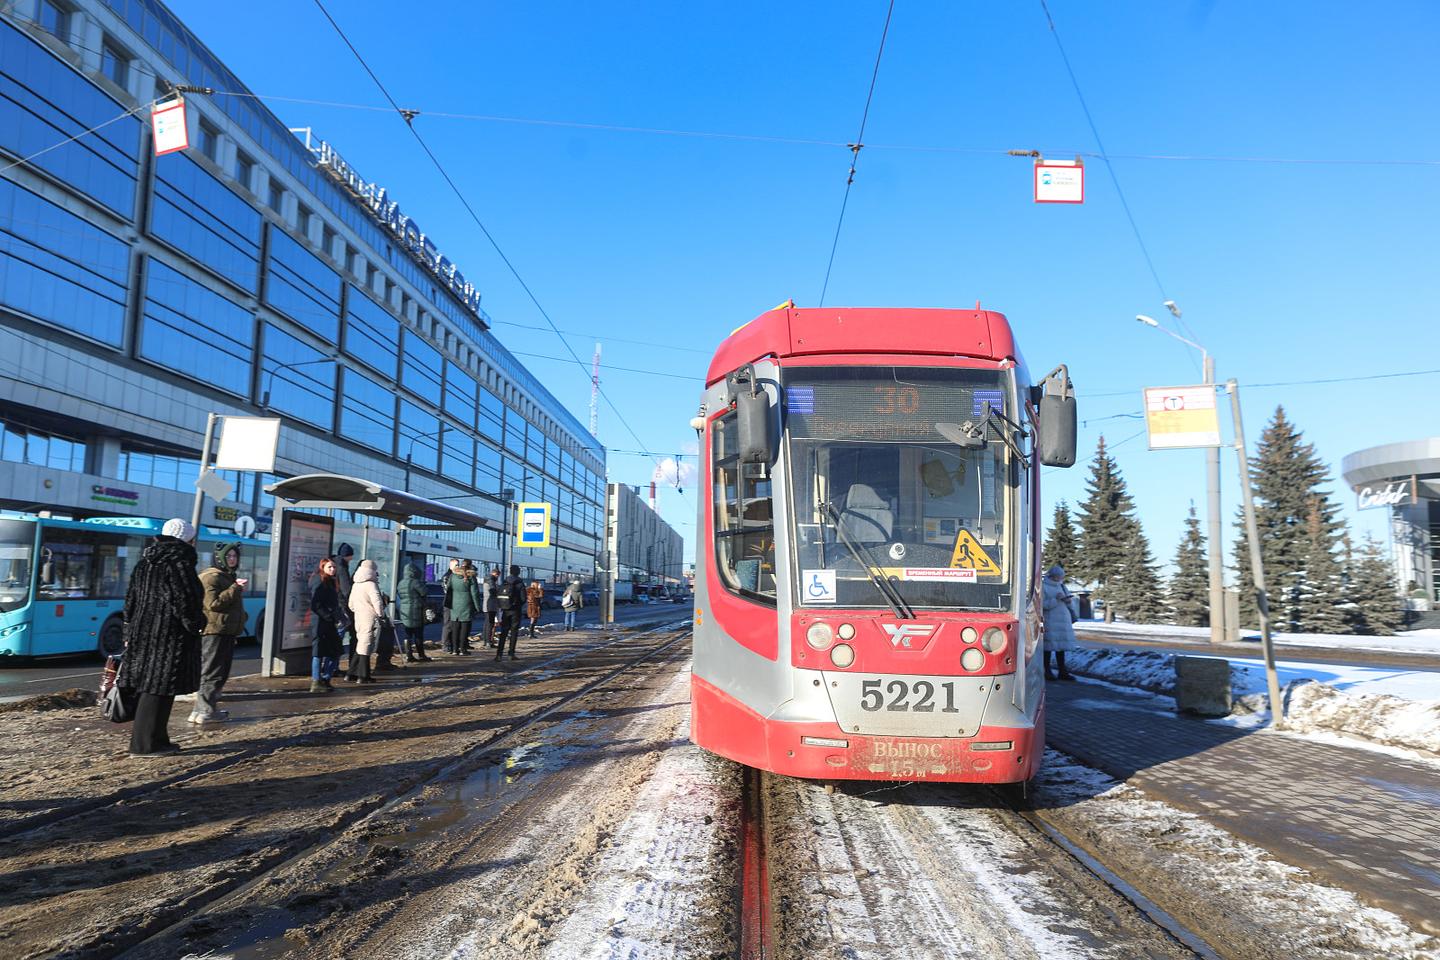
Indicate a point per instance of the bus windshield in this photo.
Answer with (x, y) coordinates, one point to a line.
(883, 488)
(17, 548)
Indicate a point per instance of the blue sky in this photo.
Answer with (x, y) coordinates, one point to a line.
(1286, 271)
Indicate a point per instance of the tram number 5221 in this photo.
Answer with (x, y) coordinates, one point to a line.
(917, 697)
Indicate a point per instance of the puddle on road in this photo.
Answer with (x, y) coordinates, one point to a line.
(464, 805)
(1429, 796)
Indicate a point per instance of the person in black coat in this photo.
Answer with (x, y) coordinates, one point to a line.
(164, 615)
(344, 582)
(328, 619)
(511, 596)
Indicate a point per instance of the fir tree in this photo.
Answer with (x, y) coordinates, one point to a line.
(1189, 593)
(1114, 556)
(1375, 599)
(1060, 545)
(1319, 591)
(1296, 521)
(1136, 594)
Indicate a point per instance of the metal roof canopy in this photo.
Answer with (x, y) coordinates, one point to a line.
(331, 491)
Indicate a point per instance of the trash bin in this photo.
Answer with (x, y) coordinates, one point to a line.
(1202, 686)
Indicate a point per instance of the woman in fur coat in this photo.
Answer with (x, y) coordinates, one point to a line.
(163, 619)
(369, 608)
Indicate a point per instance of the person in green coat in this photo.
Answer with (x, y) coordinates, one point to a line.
(463, 604)
(410, 605)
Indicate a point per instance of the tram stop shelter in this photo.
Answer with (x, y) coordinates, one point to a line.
(300, 540)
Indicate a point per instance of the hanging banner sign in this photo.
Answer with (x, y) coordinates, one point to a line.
(167, 123)
(532, 526)
(1059, 181)
(1182, 417)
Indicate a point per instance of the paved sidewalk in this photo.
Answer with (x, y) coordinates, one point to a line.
(1354, 818)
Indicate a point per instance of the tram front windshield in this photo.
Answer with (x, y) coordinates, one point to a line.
(17, 547)
(903, 486)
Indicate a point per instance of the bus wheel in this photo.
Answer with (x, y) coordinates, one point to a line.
(112, 638)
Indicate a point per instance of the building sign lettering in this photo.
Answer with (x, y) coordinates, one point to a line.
(388, 214)
(127, 498)
(1396, 493)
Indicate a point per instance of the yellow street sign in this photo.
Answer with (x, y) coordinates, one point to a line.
(1180, 417)
(969, 555)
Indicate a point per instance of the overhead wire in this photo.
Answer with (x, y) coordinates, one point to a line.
(408, 117)
(855, 149)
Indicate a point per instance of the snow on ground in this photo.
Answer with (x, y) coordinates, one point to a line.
(1247, 893)
(1397, 708)
(655, 883)
(1412, 641)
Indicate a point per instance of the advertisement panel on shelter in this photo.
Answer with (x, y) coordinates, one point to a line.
(307, 543)
(1181, 417)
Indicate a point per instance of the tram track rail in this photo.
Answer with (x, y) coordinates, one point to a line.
(505, 739)
(449, 692)
(251, 867)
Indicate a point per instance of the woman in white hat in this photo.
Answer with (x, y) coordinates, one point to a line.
(1059, 621)
(163, 619)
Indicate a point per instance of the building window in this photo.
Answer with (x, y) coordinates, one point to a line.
(114, 64)
(302, 287)
(367, 412)
(20, 444)
(244, 170)
(277, 197)
(299, 379)
(55, 19)
(371, 333)
(421, 369)
(192, 330)
(327, 242)
(195, 213)
(210, 142)
(304, 216)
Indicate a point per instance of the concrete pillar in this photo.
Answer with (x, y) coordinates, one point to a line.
(103, 457)
(225, 150)
(290, 209)
(86, 37)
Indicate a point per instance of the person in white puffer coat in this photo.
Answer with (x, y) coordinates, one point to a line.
(368, 607)
(1059, 621)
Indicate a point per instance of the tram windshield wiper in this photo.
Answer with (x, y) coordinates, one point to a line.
(974, 436)
(901, 609)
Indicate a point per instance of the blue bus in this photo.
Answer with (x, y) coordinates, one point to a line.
(62, 582)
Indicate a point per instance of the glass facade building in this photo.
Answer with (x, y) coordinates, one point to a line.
(139, 293)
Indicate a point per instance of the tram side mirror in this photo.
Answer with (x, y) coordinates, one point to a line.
(1055, 433)
(753, 423)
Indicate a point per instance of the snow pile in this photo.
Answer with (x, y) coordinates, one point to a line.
(1411, 641)
(1313, 698)
(1146, 669)
(1393, 721)
(1251, 902)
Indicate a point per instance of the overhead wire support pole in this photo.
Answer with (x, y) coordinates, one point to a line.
(855, 149)
(1257, 562)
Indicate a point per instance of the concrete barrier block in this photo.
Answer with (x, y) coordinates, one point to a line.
(1202, 686)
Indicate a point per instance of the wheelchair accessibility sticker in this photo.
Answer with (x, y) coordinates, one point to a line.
(818, 586)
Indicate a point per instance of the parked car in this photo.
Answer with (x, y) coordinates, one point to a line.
(434, 602)
(591, 597)
(552, 598)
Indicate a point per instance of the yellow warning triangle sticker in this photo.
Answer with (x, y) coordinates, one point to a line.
(969, 555)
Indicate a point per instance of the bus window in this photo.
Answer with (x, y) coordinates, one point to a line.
(17, 546)
(67, 565)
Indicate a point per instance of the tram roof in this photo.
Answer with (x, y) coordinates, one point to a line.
(794, 331)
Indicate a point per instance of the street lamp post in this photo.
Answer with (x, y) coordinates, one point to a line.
(270, 376)
(1218, 627)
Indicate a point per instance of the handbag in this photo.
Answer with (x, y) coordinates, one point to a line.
(117, 702)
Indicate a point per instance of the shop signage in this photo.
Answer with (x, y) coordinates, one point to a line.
(126, 498)
(227, 514)
(387, 213)
(1396, 493)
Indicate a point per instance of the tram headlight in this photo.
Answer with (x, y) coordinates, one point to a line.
(968, 634)
(972, 659)
(993, 640)
(843, 655)
(846, 631)
(819, 635)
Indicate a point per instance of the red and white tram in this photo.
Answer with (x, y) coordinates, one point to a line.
(867, 591)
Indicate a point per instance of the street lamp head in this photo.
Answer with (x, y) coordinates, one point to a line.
(1174, 310)
(1148, 321)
